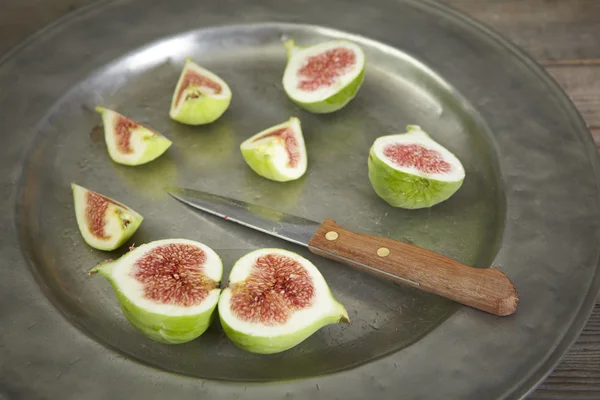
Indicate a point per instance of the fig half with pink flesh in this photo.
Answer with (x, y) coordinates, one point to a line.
(129, 142)
(411, 170)
(200, 96)
(324, 77)
(277, 153)
(167, 289)
(275, 299)
(104, 223)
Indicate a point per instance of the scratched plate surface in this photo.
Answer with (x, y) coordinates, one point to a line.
(528, 204)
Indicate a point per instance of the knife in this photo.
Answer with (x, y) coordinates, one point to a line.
(486, 289)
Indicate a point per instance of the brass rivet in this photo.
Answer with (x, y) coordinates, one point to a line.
(331, 235)
(383, 252)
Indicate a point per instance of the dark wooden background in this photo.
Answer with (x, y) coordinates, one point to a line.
(562, 35)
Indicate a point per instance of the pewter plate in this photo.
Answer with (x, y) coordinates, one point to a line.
(529, 204)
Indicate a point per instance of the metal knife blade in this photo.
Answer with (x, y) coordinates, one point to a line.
(488, 289)
(284, 226)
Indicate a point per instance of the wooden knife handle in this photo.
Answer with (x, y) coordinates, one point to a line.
(484, 289)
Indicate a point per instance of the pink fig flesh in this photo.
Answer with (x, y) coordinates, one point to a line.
(286, 135)
(417, 156)
(123, 128)
(95, 211)
(193, 78)
(276, 287)
(174, 274)
(324, 69)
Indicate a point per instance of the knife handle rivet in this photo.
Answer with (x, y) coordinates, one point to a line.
(383, 252)
(331, 235)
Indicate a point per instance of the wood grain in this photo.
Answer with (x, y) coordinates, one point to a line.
(561, 34)
(21, 19)
(487, 289)
(547, 29)
(582, 84)
(578, 375)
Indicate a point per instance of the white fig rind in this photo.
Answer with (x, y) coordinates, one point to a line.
(408, 187)
(325, 99)
(268, 157)
(259, 338)
(206, 106)
(121, 222)
(147, 144)
(165, 323)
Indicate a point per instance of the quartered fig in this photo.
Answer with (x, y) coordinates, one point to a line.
(275, 299)
(104, 223)
(200, 96)
(167, 289)
(130, 142)
(324, 77)
(411, 170)
(277, 153)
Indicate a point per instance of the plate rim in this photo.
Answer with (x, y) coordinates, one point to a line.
(531, 382)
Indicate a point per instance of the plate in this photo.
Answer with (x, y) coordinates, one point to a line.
(529, 204)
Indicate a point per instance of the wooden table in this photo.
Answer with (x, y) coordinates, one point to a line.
(562, 35)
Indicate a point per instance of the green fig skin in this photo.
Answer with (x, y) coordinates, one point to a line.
(158, 327)
(134, 220)
(403, 190)
(337, 101)
(269, 343)
(156, 144)
(272, 345)
(201, 111)
(261, 158)
(204, 109)
(332, 103)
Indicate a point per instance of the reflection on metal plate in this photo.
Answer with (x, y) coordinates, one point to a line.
(426, 65)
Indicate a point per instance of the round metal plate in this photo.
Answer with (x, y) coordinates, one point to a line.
(529, 204)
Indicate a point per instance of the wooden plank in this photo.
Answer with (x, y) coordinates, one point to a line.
(20, 19)
(596, 135)
(582, 84)
(549, 30)
(486, 289)
(558, 33)
(564, 36)
(578, 375)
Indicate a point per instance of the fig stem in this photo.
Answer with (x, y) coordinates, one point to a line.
(104, 268)
(290, 47)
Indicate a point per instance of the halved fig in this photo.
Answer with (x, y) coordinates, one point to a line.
(277, 153)
(104, 223)
(324, 77)
(129, 142)
(167, 289)
(200, 96)
(276, 299)
(411, 170)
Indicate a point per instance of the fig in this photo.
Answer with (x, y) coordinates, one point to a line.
(275, 299)
(129, 142)
(411, 170)
(200, 96)
(324, 77)
(104, 223)
(167, 289)
(277, 153)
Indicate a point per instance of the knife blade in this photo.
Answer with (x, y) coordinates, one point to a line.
(284, 226)
(487, 289)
